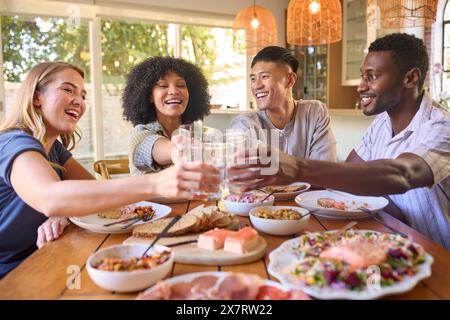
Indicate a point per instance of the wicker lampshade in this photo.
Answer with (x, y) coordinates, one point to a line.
(314, 22)
(401, 13)
(254, 28)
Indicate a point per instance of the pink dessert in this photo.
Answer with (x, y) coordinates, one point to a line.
(213, 239)
(242, 241)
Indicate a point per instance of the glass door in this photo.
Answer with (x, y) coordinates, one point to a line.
(354, 40)
(315, 73)
(312, 74)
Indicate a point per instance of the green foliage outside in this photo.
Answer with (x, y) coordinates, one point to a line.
(126, 44)
(27, 42)
(197, 44)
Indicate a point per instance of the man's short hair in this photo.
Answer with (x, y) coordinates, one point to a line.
(408, 52)
(276, 54)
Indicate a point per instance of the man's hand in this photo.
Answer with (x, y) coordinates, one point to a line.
(251, 176)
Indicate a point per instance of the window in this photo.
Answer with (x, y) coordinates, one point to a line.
(212, 50)
(124, 45)
(208, 47)
(127, 37)
(28, 41)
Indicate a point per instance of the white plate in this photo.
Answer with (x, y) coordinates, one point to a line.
(291, 195)
(95, 224)
(191, 276)
(308, 200)
(281, 260)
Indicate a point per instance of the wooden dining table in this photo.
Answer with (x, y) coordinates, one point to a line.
(58, 270)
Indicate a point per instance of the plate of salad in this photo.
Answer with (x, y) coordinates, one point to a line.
(358, 264)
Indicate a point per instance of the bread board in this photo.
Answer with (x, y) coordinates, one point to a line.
(191, 254)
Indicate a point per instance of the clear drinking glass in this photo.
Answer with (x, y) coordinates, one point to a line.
(241, 148)
(203, 144)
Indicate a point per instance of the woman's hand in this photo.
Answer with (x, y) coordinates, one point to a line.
(184, 148)
(180, 180)
(51, 230)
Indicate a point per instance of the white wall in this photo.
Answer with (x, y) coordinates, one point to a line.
(348, 131)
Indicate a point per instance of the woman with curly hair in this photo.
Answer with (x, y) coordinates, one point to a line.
(161, 94)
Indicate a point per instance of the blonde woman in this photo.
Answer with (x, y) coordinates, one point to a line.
(40, 181)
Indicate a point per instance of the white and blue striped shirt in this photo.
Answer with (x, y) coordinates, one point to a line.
(428, 136)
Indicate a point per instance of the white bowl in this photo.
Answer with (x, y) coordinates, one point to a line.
(279, 227)
(127, 281)
(242, 208)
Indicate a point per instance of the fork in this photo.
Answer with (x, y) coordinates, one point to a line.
(341, 231)
(117, 222)
(146, 218)
(266, 197)
(162, 234)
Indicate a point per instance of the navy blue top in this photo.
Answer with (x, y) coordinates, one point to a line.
(18, 221)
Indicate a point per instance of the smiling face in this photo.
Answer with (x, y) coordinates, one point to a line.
(61, 102)
(381, 87)
(170, 96)
(271, 84)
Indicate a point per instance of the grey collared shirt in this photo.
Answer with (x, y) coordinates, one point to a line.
(308, 135)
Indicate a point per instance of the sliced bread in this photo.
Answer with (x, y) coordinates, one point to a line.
(154, 228)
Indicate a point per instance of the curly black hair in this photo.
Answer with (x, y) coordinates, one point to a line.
(137, 107)
(408, 52)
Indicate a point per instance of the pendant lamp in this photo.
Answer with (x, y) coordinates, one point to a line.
(254, 28)
(401, 13)
(314, 22)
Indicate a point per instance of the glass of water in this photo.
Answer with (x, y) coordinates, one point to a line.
(203, 144)
(241, 148)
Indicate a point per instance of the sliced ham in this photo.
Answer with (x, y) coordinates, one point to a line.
(203, 283)
(273, 293)
(239, 287)
(235, 286)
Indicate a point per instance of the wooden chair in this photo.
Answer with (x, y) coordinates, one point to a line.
(108, 167)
